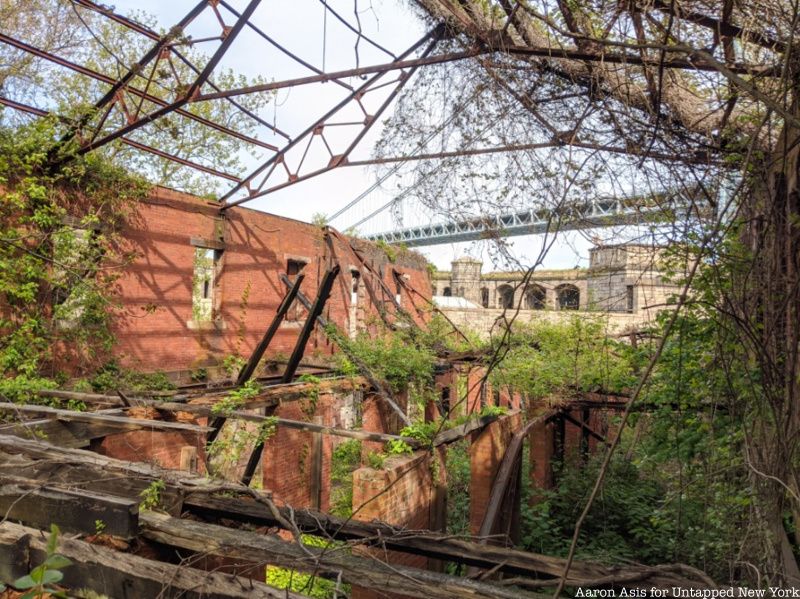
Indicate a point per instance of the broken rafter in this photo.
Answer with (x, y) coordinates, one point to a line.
(370, 573)
(583, 426)
(106, 419)
(365, 371)
(248, 369)
(323, 293)
(118, 574)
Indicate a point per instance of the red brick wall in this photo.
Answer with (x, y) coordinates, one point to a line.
(486, 453)
(156, 289)
(156, 447)
(287, 459)
(541, 438)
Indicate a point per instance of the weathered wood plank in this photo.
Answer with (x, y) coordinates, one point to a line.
(82, 469)
(462, 430)
(39, 505)
(285, 422)
(122, 422)
(366, 572)
(64, 434)
(122, 575)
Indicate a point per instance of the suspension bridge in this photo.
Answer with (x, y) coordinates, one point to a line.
(407, 221)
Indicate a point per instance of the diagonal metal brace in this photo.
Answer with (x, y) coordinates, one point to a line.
(294, 361)
(362, 367)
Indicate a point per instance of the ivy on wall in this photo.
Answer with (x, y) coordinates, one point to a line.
(61, 256)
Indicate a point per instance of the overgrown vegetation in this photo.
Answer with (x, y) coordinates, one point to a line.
(312, 586)
(60, 257)
(345, 459)
(546, 359)
(678, 488)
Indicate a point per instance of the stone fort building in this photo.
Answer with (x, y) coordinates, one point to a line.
(625, 282)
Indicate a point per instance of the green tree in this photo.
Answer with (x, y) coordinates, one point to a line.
(109, 48)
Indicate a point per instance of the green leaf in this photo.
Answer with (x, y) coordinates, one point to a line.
(51, 576)
(57, 561)
(25, 582)
(52, 542)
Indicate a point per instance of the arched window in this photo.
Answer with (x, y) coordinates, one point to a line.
(535, 298)
(569, 297)
(505, 296)
(446, 292)
(485, 297)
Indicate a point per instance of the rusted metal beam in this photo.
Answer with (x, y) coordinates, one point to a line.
(555, 143)
(279, 157)
(147, 32)
(474, 52)
(151, 54)
(67, 64)
(134, 144)
(194, 88)
(294, 360)
(260, 32)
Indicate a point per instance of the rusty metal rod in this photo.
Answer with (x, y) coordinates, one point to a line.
(134, 144)
(310, 130)
(194, 88)
(147, 32)
(62, 62)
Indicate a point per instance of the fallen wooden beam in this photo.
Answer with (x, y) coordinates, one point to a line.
(248, 369)
(462, 430)
(365, 371)
(64, 434)
(122, 422)
(39, 505)
(117, 574)
(583, 426)
(78, 469)
(285, 422)
(50, 460)
(366, 572)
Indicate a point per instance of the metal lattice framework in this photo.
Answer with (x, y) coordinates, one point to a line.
(129, 104)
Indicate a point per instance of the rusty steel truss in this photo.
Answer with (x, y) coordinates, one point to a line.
(310, 153)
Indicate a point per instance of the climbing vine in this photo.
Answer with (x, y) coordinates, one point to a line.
(61, 255)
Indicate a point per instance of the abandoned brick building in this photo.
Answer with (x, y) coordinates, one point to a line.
(204, 286)
(227, 478)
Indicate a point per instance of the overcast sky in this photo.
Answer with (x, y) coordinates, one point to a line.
(301, 26)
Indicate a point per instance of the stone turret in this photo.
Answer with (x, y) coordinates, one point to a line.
(465, 279)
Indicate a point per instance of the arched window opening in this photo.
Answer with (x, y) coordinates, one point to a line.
(505, 296)
(446, 292)
(535, 298)
(485, 297)
(569, 297)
